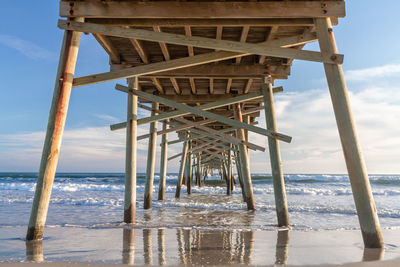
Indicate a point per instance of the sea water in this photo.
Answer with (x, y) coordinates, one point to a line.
(81, 201)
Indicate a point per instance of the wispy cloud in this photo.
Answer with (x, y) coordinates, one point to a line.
(106, 117)
(367, 74)
(27, 48)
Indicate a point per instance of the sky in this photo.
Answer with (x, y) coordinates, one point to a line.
(30, 41)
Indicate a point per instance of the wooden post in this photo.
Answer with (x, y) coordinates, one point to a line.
(181, 170)
(55, 130)
(274, 153)
(239, 172)
(189, 170)
(364, 202)
(130, 157)
(151, 160)
(163, 163)
(198, 177)
(229, 178)
(247, 186)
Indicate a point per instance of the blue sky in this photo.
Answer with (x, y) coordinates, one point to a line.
(30, 40)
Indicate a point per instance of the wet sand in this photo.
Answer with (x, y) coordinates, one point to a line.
(189, 246)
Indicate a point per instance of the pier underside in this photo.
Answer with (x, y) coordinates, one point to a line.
(206, 70)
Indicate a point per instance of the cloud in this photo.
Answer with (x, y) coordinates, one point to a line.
(308, 117)
(305, 115)
(107, 118)
(27, 48)
(367, 74)
(84, 149)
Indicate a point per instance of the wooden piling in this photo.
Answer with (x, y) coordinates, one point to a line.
(229, 178)
(55, 130)
(163, 163)
(130, 157)
(181, 170)
(151, 160)
(275, 156)
(189, 170)
(247, 185)
(360, 185)
(239, 172)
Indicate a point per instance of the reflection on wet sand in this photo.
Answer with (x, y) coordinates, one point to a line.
(161, 247)
(282, 248)
(197, 247)
(147, 247)
(128, 246)
(34, 251)
(373, 254)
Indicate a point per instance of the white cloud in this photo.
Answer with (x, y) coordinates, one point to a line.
(308, 117)
(27, 48)
(84, 149)
(369, 74)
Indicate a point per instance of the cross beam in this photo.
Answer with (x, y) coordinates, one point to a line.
(184, 62)
(178, 39)
(202, 10)
(200, 112)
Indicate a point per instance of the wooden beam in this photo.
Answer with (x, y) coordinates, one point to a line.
(222, 103)
(108, 47)
(204, 113)
(188, 32)
(181, 63)
(153, 68)
(233, 46)
(221, 136)
(175, 22)
(143, 55)
(167, 57)
(206, 10)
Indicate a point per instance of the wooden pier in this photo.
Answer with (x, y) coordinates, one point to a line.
(206, 70)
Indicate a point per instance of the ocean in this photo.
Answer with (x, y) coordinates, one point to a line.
(94, 201)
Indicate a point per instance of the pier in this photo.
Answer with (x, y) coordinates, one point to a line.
(206, 71)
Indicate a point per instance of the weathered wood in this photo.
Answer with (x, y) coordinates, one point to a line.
(201, 112)
(229, 178)
(108, 47)
(130, 157)
(275, 157)
(360, 185)
(181, 170)
(222, 70)
(188, 170)
(174, 22)
(163, 162)
(183, 62)
(239, 172)
(54, 132)
(151, 160)
(246, 48)
(206, 10)
(247, 185)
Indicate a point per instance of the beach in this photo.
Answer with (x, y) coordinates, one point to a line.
(84, 223)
